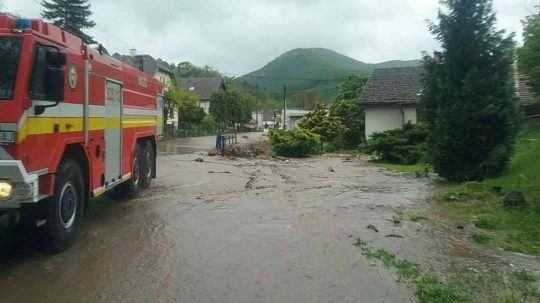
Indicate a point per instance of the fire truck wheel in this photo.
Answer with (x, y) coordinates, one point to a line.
(65, 208)
(132, 187)
(147, 165)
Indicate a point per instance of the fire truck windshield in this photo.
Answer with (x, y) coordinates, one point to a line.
(10, 49)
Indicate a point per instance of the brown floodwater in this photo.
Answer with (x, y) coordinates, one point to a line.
(240, 231)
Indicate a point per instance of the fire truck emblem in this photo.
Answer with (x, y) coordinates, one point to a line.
(72, 77)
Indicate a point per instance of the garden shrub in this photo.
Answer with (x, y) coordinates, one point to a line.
(400, 146)
(294, 143)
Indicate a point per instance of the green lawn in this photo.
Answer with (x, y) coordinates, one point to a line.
(515, 230)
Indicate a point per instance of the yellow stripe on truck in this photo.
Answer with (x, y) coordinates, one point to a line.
(46, 125)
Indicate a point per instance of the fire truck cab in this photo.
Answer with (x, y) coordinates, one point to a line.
(74, 124)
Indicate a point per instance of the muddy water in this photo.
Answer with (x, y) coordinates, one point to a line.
(228, 231)
(238, 231)
(185, 146)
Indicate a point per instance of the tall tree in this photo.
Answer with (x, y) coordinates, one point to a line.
(232, 108)
(71, 15)
(187, 104)
(529, 54)
(353, 117)
(351, 88)
(329, 127)
(469, 93)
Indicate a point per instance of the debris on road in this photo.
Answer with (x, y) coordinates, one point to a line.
(331, 169)
(249, 150)
(200, 160)
(396, 220)
(220, 172)
(373, 228)
(249, 184)
(394, 236)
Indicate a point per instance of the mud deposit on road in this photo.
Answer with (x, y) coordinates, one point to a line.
(236, 231)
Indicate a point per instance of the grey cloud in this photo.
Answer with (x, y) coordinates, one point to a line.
(242, 35)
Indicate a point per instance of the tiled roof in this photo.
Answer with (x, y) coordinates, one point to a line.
(202, 87)
(393, 86)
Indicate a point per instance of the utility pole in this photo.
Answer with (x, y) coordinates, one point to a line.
(284, 118)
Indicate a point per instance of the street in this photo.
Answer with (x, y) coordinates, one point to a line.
(235, 230)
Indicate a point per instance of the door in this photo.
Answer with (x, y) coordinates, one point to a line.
(113, 133)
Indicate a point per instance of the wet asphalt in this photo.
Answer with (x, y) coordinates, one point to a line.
(235, 230)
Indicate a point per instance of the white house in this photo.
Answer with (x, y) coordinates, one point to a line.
(391, 98)
(293, 116)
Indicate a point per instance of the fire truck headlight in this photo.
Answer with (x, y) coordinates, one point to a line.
(6, 190)
(7, 137)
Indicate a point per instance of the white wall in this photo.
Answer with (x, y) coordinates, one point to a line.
(258, 117)
(409, 114)
(294, 116)
(205, 105)
(382, 118)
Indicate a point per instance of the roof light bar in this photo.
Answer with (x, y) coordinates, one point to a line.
(22, 24)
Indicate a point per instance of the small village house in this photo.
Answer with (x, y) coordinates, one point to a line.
(203, 89)
(390, 98)
(263, 117)
(293, 117)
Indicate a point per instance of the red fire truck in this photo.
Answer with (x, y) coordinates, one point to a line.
(74, 124)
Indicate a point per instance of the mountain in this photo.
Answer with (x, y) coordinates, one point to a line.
(312, 70)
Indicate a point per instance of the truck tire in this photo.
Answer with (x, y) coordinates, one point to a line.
(132, 187)
(64, 210)
(147, 165)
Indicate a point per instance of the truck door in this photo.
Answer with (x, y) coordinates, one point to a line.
(113, 133)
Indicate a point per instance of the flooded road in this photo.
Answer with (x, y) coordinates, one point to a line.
(235, 231)
(199, 144)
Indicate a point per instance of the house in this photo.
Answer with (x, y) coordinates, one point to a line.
(203, 88)
(262, 118)
(390, 98)
(293, 116)
(528, 100)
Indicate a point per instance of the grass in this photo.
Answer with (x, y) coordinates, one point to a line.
(429, 289)
(480, 203)
(420, 168)
(460, 288)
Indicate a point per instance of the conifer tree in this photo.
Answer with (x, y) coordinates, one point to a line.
(71, 15)
(468, 100)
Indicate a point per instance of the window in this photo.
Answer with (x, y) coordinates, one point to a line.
(10, 49)
(38, 84)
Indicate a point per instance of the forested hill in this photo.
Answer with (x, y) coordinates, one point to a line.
(313, 70)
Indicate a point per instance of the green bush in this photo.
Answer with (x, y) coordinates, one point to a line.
(294, 143)
(209, 123)
(400, 146)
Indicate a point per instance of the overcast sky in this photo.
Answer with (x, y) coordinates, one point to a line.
(239, 36)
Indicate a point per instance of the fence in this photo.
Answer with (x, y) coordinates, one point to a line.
(222, 140)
